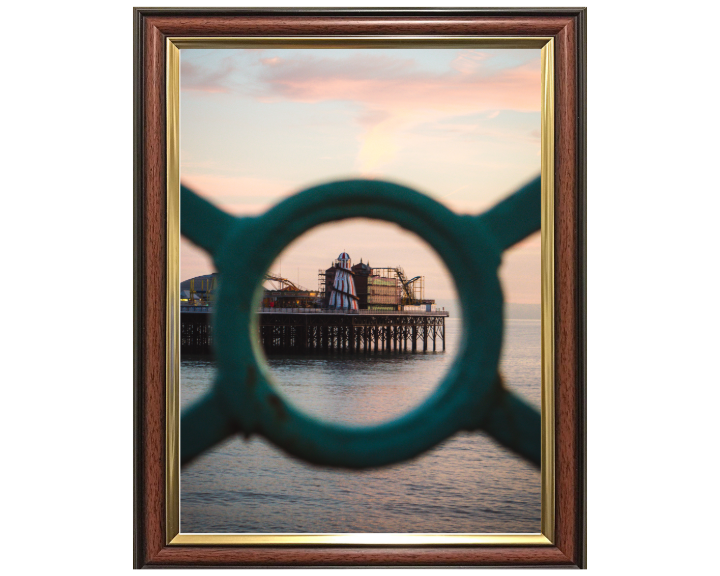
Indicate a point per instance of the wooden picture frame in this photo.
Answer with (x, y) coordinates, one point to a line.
(152, 28)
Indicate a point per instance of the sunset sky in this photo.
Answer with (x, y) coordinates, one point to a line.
(462, 126)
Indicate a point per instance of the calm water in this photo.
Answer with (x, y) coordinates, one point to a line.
(467, 484)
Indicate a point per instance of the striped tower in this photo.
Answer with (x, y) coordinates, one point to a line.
(343, 293)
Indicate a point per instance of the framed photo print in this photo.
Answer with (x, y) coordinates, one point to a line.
(360, 274)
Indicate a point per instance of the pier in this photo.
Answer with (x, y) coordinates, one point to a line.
(355, 309)
(324, 331)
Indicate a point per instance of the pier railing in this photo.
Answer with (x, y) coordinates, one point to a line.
(275, 310)
(360, 312)
(243, 399)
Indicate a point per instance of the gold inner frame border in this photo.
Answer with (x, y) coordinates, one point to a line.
(173, 536)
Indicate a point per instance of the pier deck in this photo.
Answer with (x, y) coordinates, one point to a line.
(318, 331)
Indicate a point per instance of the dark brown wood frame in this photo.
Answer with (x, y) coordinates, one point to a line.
(152, 26)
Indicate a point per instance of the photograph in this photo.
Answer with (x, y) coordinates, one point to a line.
(358, 321)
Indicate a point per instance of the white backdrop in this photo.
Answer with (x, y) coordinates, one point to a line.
(652, 301)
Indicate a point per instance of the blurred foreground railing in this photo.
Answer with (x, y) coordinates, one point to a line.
(472, 395)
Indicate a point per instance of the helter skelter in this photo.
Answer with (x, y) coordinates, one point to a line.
(343, 293)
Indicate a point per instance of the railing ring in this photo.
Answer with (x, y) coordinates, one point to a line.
(471, 396)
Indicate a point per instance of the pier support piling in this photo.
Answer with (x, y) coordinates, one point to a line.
(298, 332)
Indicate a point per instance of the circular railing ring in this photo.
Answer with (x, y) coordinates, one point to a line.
(244, 385)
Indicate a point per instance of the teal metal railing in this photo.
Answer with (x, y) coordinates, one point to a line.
(471, 396)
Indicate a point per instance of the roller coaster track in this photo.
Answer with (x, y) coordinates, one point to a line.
(406, 284)
(284, 282)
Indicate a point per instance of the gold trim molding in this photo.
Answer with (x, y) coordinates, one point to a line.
(380, 539)
(172, 404)
(172, 345)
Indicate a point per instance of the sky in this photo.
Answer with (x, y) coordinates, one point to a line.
(460, 125)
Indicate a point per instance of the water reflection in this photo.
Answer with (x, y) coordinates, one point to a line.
(467, 484)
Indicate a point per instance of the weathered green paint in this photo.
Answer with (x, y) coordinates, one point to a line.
(471, 397)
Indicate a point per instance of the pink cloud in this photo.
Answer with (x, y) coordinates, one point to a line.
(394, 96)
(271, 61)
(469, 61)
(381, 83)
(390, 96)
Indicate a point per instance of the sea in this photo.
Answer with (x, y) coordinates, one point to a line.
(467, 484)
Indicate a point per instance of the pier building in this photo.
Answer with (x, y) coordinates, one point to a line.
(356, 309)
